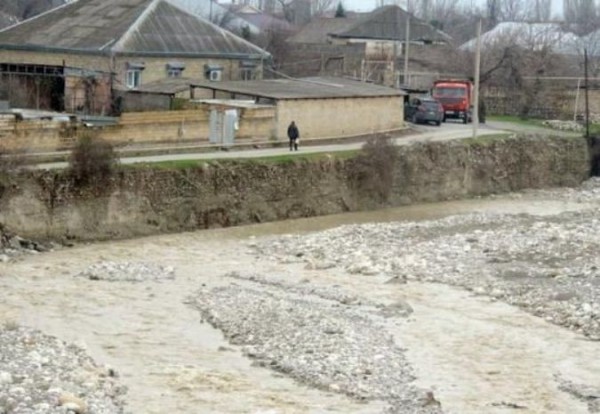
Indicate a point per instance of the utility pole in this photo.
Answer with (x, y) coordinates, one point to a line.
(406, 43)
(587, 95)
(476, 86)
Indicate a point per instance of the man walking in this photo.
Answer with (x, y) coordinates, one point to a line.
(293, 135)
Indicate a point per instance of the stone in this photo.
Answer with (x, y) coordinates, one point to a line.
(398, 308)
(15, 242)
(5, 378)
(396, 280)
(72, 403)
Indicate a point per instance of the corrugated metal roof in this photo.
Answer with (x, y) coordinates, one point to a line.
(168, 86)
(384, 23)
(126, 26)
(318, 30)
(389, 23)
(265, 21)
(304, 88)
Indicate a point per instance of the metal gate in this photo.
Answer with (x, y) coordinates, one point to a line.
(223, 125)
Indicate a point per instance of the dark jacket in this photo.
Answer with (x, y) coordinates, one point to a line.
(293, 132)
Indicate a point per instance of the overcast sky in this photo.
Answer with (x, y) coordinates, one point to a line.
(366, 5)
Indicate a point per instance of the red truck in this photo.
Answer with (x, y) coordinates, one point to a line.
(456, 98)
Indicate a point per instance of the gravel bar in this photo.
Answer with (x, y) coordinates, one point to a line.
(40, 374)
(546, 265)
(318, 340)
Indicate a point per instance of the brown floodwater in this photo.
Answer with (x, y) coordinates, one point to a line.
(172, 362)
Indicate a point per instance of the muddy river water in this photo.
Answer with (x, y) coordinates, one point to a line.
(474, 353)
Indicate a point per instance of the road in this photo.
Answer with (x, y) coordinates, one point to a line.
(422, 133)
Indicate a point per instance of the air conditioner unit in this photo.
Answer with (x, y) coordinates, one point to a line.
(215, 75)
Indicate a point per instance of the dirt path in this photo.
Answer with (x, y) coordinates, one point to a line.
(475, 354)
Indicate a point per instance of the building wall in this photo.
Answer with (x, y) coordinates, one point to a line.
(101, 66)
(330, 118)
(156, 68)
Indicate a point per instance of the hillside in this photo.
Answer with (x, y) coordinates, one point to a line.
(13, 11)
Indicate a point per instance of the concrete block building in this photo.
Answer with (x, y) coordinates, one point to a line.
(323, 107)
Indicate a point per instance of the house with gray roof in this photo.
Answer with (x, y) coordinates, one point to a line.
(78, 56)
(368, 46)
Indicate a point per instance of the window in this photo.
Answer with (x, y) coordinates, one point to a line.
(134, 74)
(175, 69)
(247, 70)
(134, 78)
(247, 74)
(174, 73)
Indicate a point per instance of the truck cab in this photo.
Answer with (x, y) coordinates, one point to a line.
(456, 98)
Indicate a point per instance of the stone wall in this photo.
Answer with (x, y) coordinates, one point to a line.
(551, 104)
(142, 202)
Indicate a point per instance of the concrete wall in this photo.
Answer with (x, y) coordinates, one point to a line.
(39, 135)
(140, 202)
(161, 126)
(553, 103)
(316, 118)
(326, 118)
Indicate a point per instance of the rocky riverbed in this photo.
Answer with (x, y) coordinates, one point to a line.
(477, 312)
(40, 374)
(547, 265)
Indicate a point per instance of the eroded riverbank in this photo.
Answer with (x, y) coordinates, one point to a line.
(466, 344)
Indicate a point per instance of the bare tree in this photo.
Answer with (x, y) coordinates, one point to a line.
(540, 11)
(516, 62)
(493, 12)
(320, 7)
(512, 10)
(401, 3)
(583, 13)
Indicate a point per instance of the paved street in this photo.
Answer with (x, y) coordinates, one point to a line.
(422, 133)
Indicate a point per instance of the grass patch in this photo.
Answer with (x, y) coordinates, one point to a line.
(594, 128)
(513, 119)
(487, 139)
(275, 159)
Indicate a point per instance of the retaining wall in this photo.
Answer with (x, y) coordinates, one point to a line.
(142, 202)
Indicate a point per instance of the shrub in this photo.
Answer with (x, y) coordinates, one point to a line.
(92, 161)
(373, 171)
